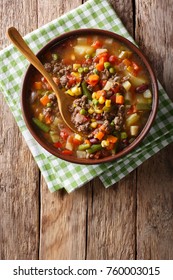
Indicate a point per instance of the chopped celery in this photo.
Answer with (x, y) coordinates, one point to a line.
(125, 54)
(134, 129)
(143, 106)
(82, 50)
(132, 119)
(54, 136)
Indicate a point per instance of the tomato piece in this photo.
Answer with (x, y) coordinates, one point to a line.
(67, 152)
(96, 44)
(114, 59)
(64, 134)
(58, 145)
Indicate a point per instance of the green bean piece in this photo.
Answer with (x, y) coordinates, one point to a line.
(41, 125)
(94, 148)
(83, 147)
(85, 90)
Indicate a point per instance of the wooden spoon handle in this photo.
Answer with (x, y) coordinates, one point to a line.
(18, 41)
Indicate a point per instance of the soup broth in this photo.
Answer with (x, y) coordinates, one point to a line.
(112, 96)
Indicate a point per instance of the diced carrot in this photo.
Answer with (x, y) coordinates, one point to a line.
(103, 59)
(99, 135)
(87, 141)
(111, 146)
(93, 79)
(127, 62)
(44, 100)
(119, 99)
(100, 93)
(112, 139)
(48, 119)
(100, 66)
(37, 85)
(67, 152)
(89, 40)
(96, 44)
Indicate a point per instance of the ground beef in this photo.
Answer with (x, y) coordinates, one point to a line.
(82, 102)
(48, 67)
(105, 74)
(52, 96)
(119, 119)
(63, 80)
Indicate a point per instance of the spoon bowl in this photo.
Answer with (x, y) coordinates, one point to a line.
(64, 100)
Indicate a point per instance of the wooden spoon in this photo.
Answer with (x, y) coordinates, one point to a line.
(64, 100)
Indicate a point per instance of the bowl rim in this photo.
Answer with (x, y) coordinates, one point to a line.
(144, 131)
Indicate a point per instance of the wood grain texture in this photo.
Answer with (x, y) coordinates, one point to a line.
(132, 219)
(63, 216)
(19, 176)
(154, 33)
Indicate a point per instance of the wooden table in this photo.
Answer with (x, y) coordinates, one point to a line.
(132, 219)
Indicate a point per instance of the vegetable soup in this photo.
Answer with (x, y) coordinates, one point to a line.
(111, 96)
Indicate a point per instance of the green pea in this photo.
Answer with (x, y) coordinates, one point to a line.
(95, 71)
(49, 104)
(55, 56)
(80, 69)
(83, 112)
(87, 56)
(86, 69)
(112, 70)
(107, 65)
(95, 101)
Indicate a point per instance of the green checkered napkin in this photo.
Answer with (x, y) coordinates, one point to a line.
(58, 173)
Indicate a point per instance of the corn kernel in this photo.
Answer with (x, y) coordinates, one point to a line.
(90, 110)
(75, 74)
(69, 91)
(102, 99)
(98, 111)
(93, 124)
(108, 103)
(76, 90)
(94, 95)
(105, 143)
(78, 137)
(76, 66)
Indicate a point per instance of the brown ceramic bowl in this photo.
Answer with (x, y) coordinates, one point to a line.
(25, 98)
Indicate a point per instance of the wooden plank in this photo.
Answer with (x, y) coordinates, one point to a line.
(19, 176)
(112, 212)
(155, 178)
(63, 216)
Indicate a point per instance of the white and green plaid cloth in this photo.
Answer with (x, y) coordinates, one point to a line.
(58, 173)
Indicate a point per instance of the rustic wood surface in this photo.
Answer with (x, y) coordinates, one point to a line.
(132, 219)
